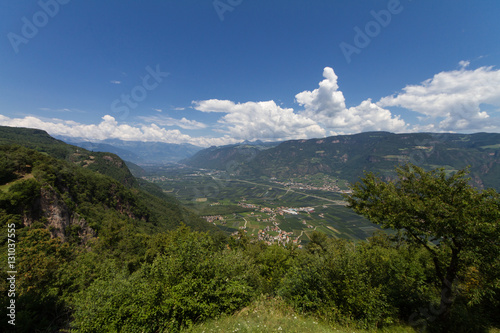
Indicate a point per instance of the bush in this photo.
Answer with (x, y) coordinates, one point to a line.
(188, 281)
(338, 283)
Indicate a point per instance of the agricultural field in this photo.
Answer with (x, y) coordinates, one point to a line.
(267, 209)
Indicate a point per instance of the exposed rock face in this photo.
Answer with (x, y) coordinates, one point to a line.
(59, 219)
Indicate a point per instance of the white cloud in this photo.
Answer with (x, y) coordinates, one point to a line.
(464, 63)
(261, 120)
(456, 97)
(157, 110)
(213, 105)
(324, 102)
(327, 106)
(324, 112)
(168, 121)
(460, 100)
(115, 82)
(109, 128)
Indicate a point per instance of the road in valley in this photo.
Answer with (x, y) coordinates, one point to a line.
(335, 202)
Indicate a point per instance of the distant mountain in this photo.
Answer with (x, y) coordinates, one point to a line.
(227, 157)
(139, 152)
(348, 156)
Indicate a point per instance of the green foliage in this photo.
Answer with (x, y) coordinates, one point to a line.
(272, 263)
(117, 268)
(339, 282)
(347, 156)
(190, 280)
(39, 300)
(104, 163)
(458, 225)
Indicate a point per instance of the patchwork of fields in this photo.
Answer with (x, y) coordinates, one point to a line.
(265, 209)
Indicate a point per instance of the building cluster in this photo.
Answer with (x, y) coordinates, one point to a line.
(293, 211)
(157, 179)
(282, 238)
(213, 218)
(270, 234)
(330, 187)
(247, 205)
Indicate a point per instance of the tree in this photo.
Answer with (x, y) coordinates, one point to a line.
(458, 224)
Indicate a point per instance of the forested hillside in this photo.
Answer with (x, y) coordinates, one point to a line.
(348, 156)
(100, 254)
(104, 163)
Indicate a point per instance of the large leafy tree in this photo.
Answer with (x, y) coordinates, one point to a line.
(458, 224)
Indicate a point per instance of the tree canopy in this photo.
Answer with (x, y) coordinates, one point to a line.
(458, 224)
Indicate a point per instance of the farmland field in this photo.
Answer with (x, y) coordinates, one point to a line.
(256, 206)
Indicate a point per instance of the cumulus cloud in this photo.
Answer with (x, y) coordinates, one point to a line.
(109, 128)
(455, 98)
(324, 102)
(324, 113)
(462, 100)
(260, 120)
(327, 106)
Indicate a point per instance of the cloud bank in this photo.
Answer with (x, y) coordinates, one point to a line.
(260, 120)
(454, 100)
(109, 128)
(461, 100)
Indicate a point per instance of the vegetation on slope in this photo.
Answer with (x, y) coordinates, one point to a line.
(94, 255)
(348, 156)
(104, 163)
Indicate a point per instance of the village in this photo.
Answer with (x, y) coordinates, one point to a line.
(329, 187)
(272, 233)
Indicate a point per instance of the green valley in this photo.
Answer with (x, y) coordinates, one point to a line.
(88, 247)
(275, 211)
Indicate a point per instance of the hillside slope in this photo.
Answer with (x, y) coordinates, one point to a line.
(137, 151)
(348, 156)
(78, 183)
(105, 163)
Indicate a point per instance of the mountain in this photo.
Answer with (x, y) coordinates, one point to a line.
(229, 156)
(105, 163)
(138, 152)
(348, 156)
(64, 187)
(73, 217)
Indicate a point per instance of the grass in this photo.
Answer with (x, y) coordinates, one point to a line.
(7, 186)
(274, 315)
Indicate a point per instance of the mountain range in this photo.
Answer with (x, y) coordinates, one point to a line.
(138, 152)
(348, 156)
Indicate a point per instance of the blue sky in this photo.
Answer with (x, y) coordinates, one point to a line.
(216, 72)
